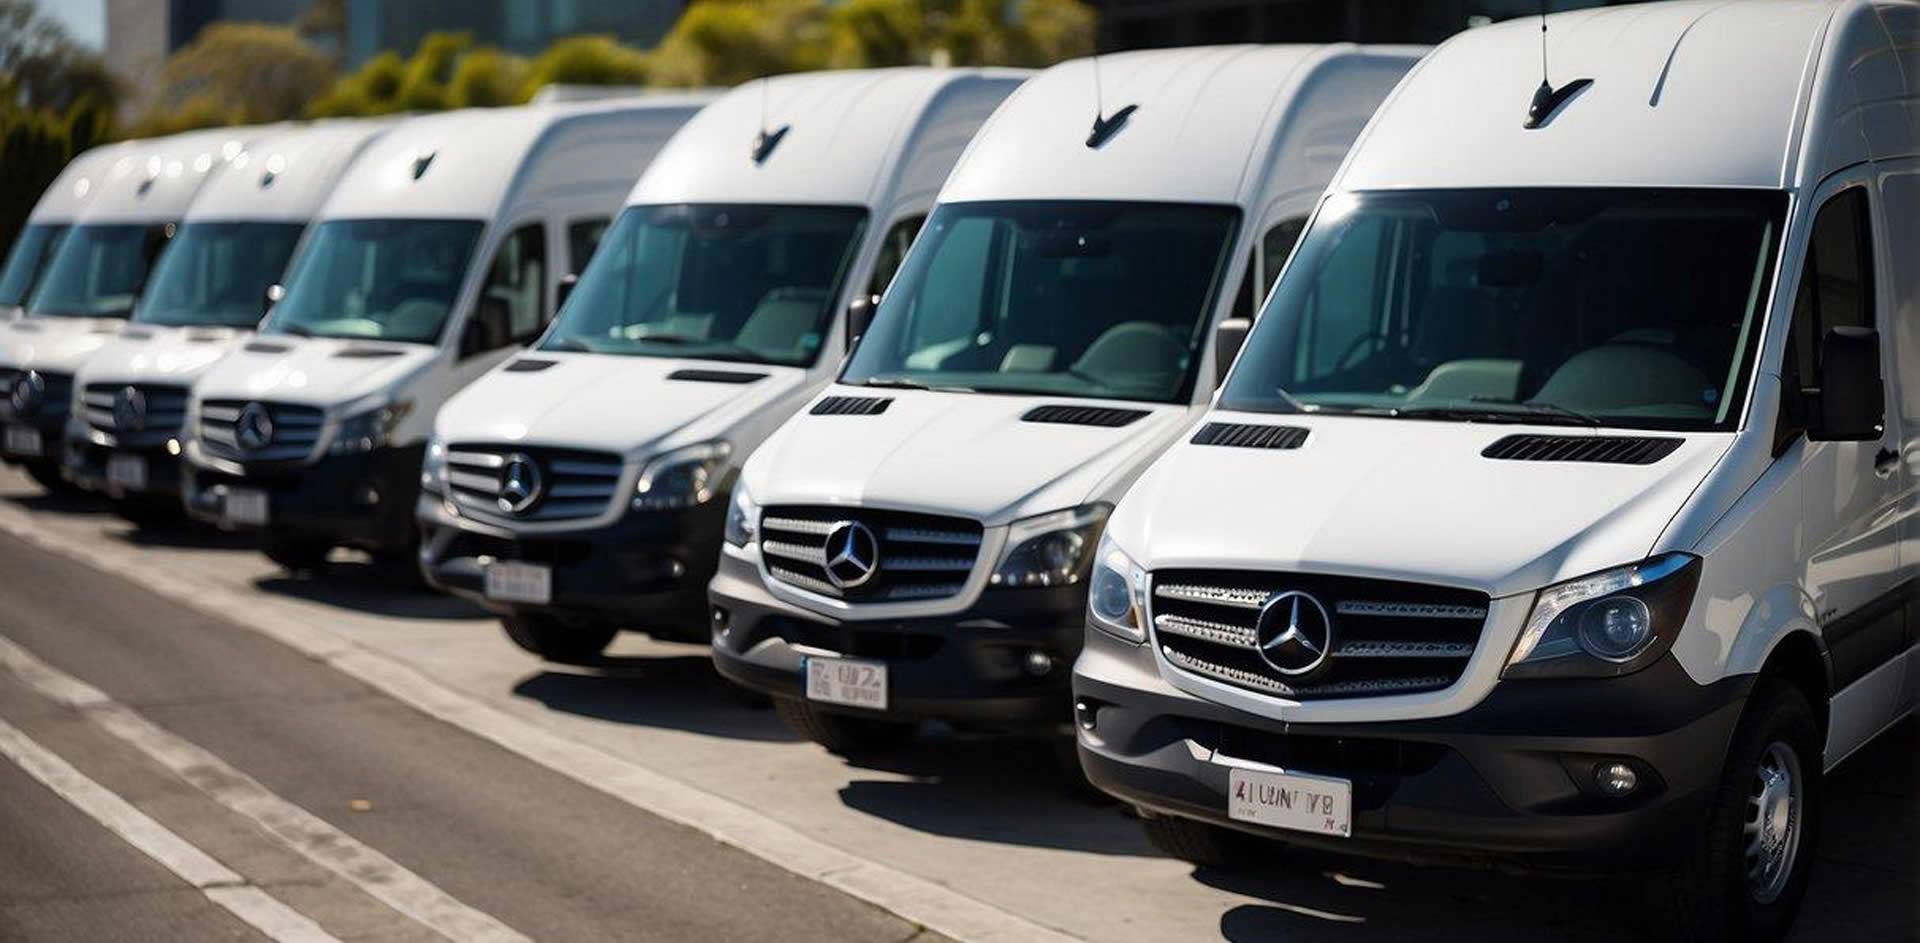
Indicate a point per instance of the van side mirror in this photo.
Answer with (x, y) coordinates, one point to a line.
(272, 297)
(1228, 338)
(564, 290)
(490, 328)
(860, 317)
(1851, 402)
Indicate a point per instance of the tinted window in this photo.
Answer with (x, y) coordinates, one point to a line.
(583, 236)
(893, 251)
(99, 270)
(518, 278)
(27, 260)
(1835, 289)
(391, 279)
(218, 273)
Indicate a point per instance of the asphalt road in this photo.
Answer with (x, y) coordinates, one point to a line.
(514, 835)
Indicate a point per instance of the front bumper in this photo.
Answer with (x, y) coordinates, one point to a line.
(1508, 783)
(969, 669)
(52, 426)
(647, 571)
(363, 500)
(86, 466)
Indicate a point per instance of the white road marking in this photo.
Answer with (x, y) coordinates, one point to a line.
(381, 877)
(216, 881)
(916, 899)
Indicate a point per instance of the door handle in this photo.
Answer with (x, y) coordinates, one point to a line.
(1886, 462)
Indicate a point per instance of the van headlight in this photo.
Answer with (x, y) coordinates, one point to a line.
(1050, 549)
(1612, 623)
(433, 467)
(1117, 593)
(368, 429)
(682, 478)
(743, 517)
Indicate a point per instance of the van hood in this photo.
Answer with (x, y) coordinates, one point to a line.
(150, 353)
(964, 454)
(606, 402)
(55, 345)
(1406, 499)
(314, 371)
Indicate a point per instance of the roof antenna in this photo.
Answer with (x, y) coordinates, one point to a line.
(1546, 98)
(764, 144)
(1105, 126)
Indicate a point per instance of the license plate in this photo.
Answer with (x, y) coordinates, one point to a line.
(1319, 804)
(24, 441)
(127, 472)
(520, 582)
(245, 507)
(847, 681)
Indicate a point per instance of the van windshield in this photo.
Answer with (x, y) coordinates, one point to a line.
(381, 279)
(27, 259)
(1633, 308)
(713, 281)
(218, 273)
(1107, 300)
(98, 270)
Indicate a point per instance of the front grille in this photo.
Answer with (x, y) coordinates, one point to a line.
(295, 433)
(161, 413)
(1385, 637)
(53, 402)
(571, 484)
(918, 556)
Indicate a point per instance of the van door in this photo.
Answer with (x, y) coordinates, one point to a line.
(1899, 183)
(1851, 490)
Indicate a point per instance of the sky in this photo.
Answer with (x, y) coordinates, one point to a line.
(85, 19)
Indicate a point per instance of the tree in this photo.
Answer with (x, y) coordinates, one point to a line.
(373, 90)
(424, 87)
(726, 42)
(249, 73)
(587, 60)
(486, 77)
(870, 33)
(42, 68)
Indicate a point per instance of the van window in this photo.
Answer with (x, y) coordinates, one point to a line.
(1616, 307)
(218, 273)
(893, 250)
(714, 281)
(384, 279)
(27, 260)
(518, 276)
(583, 236)
(1836, 283)
(1088, 299)
(1275, 248)
(99, 270)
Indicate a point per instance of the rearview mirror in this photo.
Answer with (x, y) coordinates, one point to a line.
(490, 328)
(1850, 404)
(1228, 338)
(860, 317)
(564, 290)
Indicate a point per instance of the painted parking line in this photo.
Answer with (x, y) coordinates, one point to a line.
(302, 831)
(216, 881)
(916, 899)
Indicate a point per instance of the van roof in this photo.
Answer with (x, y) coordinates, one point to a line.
(840, 136)
(78, 182)
(1692, 93)
(286, 174)
(154, 181)
(1207, 126)
(468, 164)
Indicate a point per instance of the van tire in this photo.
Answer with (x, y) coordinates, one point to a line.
(1207, 845)
(1710, 897)
(557, 641)
(841, 734)
(298, 556)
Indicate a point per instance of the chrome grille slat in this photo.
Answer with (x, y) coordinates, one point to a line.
(1336, 689)
(1401, 610)
(919, 556)
(797, 526)
(921, 535)
(814, 555)
(575, 485)
(927, 564)
(1237, 636)
(476, 459)
(1241, 598)
(296, 431)
(1404, 650)
(804, 581)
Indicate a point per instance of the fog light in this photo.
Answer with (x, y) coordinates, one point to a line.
(1038, 663)
(368, 496)
(721, 621)
(1616, 779)
(173, 446)
(1087, 716)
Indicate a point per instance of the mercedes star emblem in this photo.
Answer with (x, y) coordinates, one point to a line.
(853, 554)
(253, 428)
(28, 390)
(129, 410)
(1294, 633)
(520, 483)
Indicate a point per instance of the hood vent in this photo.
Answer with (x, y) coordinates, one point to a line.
(1107, 416)
(851, 406)
(136, 333)
(1604, 450)
(206, 336)
(716, 376)
(264, 347)
(1246, 436)
(528, 365)
(366, 353)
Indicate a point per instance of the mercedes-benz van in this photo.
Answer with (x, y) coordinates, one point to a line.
(47, 224)
(581, 488)
(438, 254)
(207, 293)
(1557, 511)
(90, 286)
(915, 543)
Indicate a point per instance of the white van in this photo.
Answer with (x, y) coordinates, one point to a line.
(1555, 513)
(915, 544)
(439, 253)
(207, 293)
(582, 487)
(89, 288)
(52, 216)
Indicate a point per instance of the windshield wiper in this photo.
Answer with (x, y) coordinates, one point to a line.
(294, 329)
(676, 339)
(1471, 414)
(574, 344)
(1542, 408)
(902, 383)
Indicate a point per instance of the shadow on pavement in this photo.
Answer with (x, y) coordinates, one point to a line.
(674, 692)
(60, 502)
(184, 535)
(379, 588)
